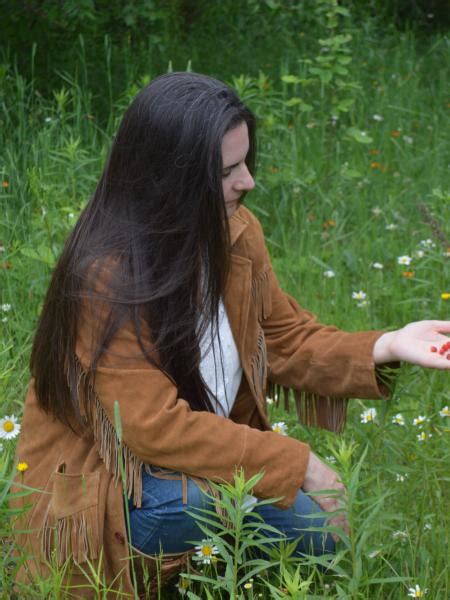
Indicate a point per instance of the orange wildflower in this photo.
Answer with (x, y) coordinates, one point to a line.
(6, 265)
(329, 223)
(5, 184)
(395, 133)
(408, 274)
(374, 152)
(375, 165)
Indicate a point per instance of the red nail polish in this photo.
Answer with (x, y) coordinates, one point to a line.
(433, 349)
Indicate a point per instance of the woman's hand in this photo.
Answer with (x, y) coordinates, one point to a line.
(412, 344)
(318, 477)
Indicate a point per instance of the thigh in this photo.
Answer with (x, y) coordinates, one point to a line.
(296, 523)
(162, 523)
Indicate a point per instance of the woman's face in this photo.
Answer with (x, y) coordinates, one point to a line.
(236, 178)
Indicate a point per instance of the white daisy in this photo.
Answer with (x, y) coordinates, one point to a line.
(5, 307)
(422, 436)
(404, 260)
(401, 478)
(378, 118)
(206, 551)
(329, 274)
(376, 211)
(419, 253)
(428, 243)
(400, 535)
(9, 428)
(407, 139)
(369, 415)
(445, 412)
(359, 295)
(280, 427)
(377, 265)
(420, 421)
(417, 592)
(391, 226)
(398, 419)
(182, 586)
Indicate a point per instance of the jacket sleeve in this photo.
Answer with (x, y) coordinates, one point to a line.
(159, 428)
(306, 355)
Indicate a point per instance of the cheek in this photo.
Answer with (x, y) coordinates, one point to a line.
(226, 188)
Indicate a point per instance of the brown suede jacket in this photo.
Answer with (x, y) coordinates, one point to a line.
(77, 509)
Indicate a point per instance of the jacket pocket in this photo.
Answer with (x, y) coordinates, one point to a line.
(71, 525)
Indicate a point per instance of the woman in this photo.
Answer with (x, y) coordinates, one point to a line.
(164, 305)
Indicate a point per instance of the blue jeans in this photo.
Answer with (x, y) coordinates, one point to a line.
(162, 523)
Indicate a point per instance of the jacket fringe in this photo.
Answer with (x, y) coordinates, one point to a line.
(259, 367)
(261, 295)
(74, 536)
(111, 450)
(312, 409)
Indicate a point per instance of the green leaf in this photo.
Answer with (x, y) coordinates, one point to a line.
(290, 79)
(344, 105)
(359, 136)
(42, 253)
(293, 102)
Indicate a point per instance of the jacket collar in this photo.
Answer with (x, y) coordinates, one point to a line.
(237, 224)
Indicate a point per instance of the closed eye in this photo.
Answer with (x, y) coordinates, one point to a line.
(227, 170)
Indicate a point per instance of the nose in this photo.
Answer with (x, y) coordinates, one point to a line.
(245, 181)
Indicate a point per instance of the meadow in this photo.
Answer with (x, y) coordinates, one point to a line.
(353, 192)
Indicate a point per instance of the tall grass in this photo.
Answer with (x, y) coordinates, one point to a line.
(329, 201)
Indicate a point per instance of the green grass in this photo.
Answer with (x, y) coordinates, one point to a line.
(317, 190)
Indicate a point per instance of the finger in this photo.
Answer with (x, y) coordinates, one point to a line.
(441, 326)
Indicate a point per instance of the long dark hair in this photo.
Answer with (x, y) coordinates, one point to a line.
(157, 223)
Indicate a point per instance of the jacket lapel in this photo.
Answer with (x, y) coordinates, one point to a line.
(237, 300)
(238, 289)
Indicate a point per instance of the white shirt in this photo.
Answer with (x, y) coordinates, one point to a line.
(220, 365)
